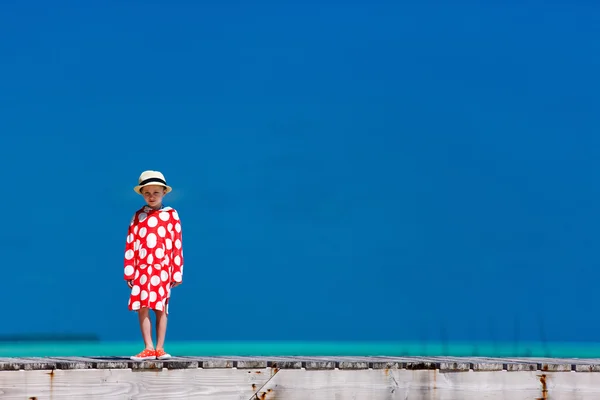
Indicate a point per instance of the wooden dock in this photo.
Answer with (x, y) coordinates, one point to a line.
(315, 378)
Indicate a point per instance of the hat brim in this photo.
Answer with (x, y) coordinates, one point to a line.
(139, 187)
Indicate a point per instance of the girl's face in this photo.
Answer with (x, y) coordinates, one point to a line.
(153, 194)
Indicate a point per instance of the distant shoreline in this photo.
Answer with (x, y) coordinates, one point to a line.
(50, 337)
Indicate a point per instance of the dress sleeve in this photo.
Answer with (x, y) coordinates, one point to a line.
(130, 258)
(177, 255)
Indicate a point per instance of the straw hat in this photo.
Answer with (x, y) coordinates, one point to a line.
(151, 178)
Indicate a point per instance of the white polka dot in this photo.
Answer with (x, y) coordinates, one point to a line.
(164, 216)
(142, 266)
(144, 295)
(175, 216)
(143, 279)
(135, 290)
(157, 267)
(143, 232)
(130, 238)
(155, 280)
(142, 217)
(149, 270)
(177, 244)
(135, 305)
(164, 275)
(177, 276)
(169, 244)
(150, 258)
(177, 260)
(128, 270)
(170, 227)
(161, 291)
(137, 274)
(129, 254)
(152, 296)
(152, 222)
(136, 245)
(151, 240)
(143, 253)
(160, 253)
(135, 230)
(178, 227)
(159, 306)
(162, 231)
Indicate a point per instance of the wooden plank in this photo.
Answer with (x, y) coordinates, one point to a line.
(312, 362)
(330, 384)
(587, 368)
(355, 384)
(294, 383)
(487, 366)
(427, 384)
(225, 384)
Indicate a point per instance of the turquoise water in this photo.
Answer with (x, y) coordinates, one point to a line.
(232, 348)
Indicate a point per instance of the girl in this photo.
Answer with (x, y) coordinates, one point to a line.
(153, 261)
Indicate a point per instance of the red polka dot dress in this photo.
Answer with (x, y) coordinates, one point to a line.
(153, 257)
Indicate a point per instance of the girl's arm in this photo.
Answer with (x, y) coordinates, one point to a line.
(177, 255)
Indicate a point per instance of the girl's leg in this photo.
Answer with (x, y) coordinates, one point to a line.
(146, 327)
(161, 329)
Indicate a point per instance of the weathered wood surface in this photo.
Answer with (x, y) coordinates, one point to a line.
(226, 384)
(429, 384)
(295, 378)
(297, 362)
(295, 384)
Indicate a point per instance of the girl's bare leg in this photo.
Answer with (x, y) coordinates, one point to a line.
(146, 327)
(161, 329)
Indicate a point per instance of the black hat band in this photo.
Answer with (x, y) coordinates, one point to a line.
(149, 180)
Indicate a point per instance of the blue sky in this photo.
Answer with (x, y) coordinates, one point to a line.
(350, 171)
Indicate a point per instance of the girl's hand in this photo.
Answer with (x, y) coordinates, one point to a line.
(173, 284)
(130, 284)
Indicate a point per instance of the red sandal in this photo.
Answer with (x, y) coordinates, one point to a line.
(161, 355)
(145, 355)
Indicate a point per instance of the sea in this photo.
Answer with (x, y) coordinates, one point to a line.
(304, 348)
